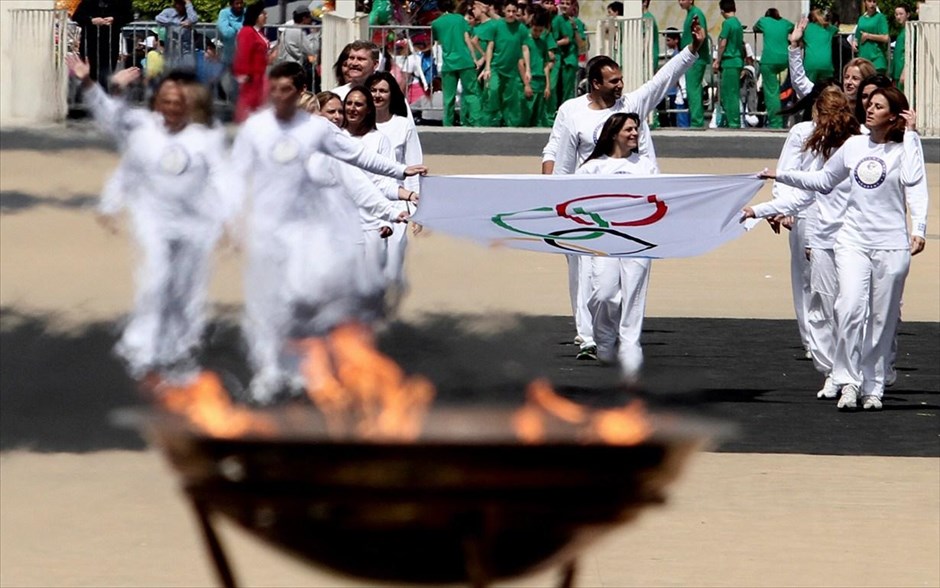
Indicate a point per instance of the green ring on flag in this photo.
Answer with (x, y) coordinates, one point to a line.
(498, 221)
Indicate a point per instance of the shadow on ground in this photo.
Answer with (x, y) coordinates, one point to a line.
(57, 389)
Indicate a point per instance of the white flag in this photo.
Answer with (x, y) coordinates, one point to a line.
(613, 215)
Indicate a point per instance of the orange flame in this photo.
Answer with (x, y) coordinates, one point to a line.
(356, 386)
(207, 405)
(628, 425)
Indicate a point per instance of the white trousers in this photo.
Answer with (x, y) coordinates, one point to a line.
(394, 270)
(867, 307)
(169, 312)
(617, 304)
(579, 289)
(800, 278)
(820, 316)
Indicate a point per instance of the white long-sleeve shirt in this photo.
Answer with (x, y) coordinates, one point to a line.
(174, 180)
(823, 215)
(876, 210)
(801, 84)
(354, 191)
(577, 126)
(406, 147)
(273, 154)
(634, 165)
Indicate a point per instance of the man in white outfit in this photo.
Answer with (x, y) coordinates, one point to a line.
(574, 135)
(271, 150)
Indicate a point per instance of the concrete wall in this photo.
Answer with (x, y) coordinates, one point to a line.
(31, 81)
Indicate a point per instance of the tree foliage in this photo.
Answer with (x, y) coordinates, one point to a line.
(208, 10)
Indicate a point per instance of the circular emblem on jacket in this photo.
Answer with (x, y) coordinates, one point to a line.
(870, 172)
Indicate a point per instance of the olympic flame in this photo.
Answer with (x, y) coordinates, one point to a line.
(360, 390)
(628, 425)
(207, 405)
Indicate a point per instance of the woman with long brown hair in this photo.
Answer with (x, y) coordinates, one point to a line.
(809, 145)
(619, 285)
(873, 248)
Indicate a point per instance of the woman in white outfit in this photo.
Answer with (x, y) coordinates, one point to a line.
(360, 112)
(873, 248)
(170, 179)
(809, 145)
(392, 120)
(272, 151)
(619, 285)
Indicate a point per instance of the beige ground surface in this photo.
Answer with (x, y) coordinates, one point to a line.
(115, 518)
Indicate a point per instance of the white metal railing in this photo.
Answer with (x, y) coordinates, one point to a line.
(922, 79)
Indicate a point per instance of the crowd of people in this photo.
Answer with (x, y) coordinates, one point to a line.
(318, 186)
(500, 62)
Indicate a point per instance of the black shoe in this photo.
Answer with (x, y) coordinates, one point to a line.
(588, 353)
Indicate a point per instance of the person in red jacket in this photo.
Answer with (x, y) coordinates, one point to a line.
(251, 62)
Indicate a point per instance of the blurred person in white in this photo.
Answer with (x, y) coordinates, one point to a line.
(269, 164)
(171, 180)
(873, 248)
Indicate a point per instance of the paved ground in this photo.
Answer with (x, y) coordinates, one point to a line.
(804, 496)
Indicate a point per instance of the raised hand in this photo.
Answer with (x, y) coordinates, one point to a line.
(910, 116)
(698, 36)
(126, 77)
(78, 67)
(797, 35)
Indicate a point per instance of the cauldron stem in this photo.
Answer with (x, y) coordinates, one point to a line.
(222, 567)
(567, 574)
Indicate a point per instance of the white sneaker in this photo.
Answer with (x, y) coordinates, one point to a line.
(808, 354)
(871, 403)
(849, 399)
(578, 340)
(829, 390)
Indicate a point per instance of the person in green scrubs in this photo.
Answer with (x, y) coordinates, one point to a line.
(729, 62)
(483, 34)
(693, 78)
(773, 61)
(871, 37)
(453, 33)
(502, 65)
(817, 47)
(563, 29)
(901, 15)
(541, 59)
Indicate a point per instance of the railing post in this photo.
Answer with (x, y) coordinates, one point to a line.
(922, 59)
